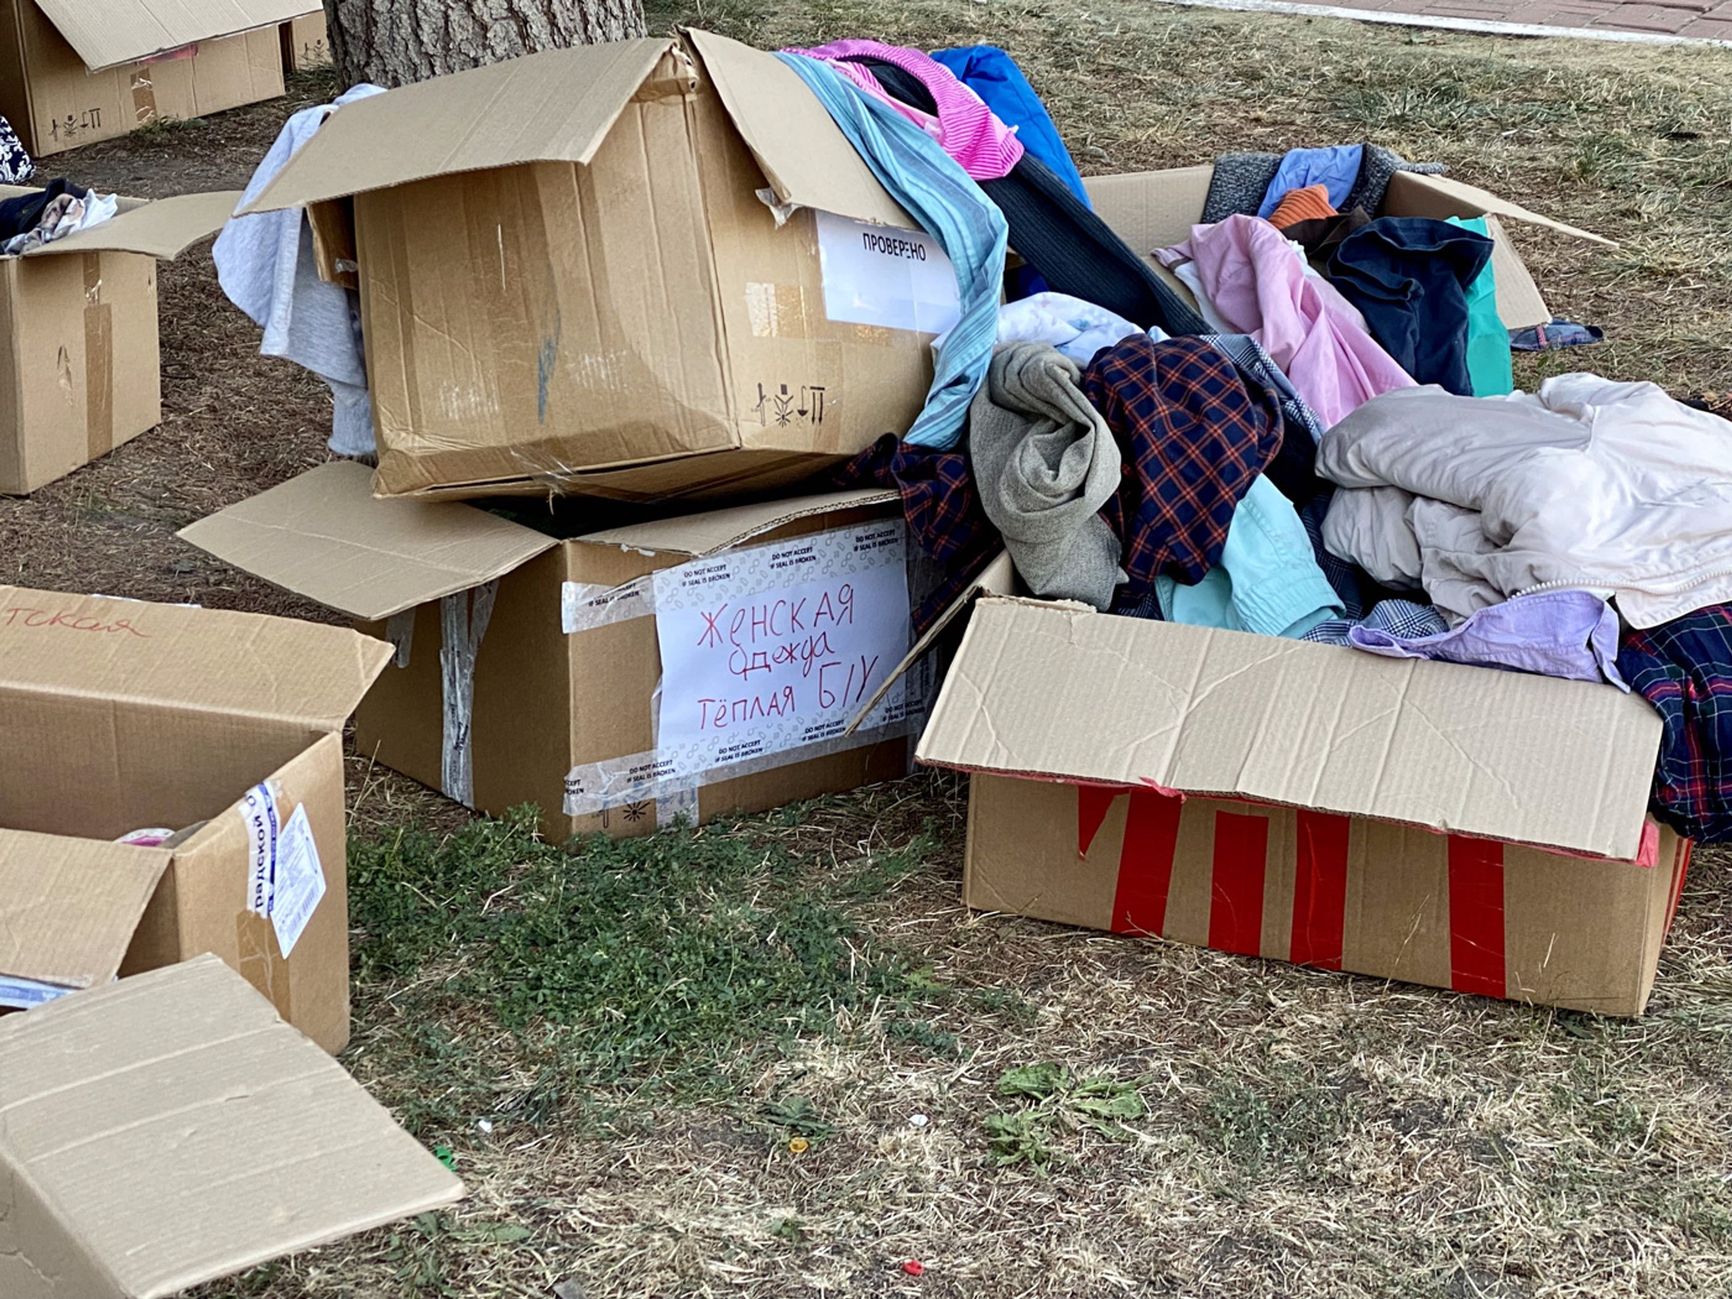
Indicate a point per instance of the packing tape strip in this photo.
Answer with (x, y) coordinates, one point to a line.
(584, 606)
(464, 617)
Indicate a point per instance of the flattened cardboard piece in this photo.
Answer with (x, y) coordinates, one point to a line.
(324, 535)
(803, 154)
(1441, 196)
(171, 1130)
(201, 660)
(68, 911)
(697, 535)
(163, 229)
(555, 106)
(1039, 689)
(107, 33)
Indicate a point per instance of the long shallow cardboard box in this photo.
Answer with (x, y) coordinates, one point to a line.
(615, 307)
(80, 372)
(1455, 826)
(73, 72)
(170, 1130)
(118, 715)
(621, 679)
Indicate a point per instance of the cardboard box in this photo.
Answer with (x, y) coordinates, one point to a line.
(1454, 826)
(536, 670)
(171, 1130)
(79, 368)
(119, 715)
(306, 43)
(73, 72)
(650, 270)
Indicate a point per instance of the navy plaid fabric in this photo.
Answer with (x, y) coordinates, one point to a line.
(1195, 432)
(1684, 669)
(941, 505)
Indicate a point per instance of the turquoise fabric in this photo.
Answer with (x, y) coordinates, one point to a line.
(1488, 351)
(1267, 581)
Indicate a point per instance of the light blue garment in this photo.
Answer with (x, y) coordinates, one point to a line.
(948, 205)
(1267, 581)
(1336, 168)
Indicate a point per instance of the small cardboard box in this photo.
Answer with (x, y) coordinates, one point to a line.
(73, 72)
(79, 368)
(649, 270)
(119, 715)
(306, 43)
(171, 1130)
(619, 679)
(1454, 826)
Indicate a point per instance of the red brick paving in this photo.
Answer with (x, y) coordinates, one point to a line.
(1686, 19)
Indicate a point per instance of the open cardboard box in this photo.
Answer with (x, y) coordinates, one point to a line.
(171, 1129)
(607, 302)
(79, 362)
(1456, 826)
(306, 43)
(119, 715)
(536, 670)
(73, 72)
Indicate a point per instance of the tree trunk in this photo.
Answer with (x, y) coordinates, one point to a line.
(393, 42)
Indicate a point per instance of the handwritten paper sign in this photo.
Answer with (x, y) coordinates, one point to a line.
(773, 648)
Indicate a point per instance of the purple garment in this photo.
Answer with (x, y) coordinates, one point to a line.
(1569, 634)
(966, 128)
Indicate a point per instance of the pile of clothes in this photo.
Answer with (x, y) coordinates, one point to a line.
(45, 215)
(1321, 441)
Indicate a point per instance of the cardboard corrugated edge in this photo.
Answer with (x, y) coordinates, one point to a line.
(163, 229)
(325, 536)
(709, 533)
(1470, 200)
(175, 656)
(108, 33)
(1048, 692)
(275, 1148)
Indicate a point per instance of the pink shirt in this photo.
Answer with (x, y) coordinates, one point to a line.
(1257, 283)
(966, 128)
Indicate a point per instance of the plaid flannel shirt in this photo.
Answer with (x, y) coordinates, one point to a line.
(1684, 669)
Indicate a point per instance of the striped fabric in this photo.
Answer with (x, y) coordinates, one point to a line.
(1308, 204)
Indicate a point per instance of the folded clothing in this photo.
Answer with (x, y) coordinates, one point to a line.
(1333, 169)
(1241, 181)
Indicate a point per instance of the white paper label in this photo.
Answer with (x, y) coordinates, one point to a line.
(259, 810)
(772, 648)
(879, 275)
(300, 881)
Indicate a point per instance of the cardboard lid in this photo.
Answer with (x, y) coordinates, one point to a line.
(1052, 692)
(1440, 196)
(325, 536)
(68, 907)
(556, 106)
(165, 228)
(203, 660)
(170, 1130)
(110, 32)
(697, 535)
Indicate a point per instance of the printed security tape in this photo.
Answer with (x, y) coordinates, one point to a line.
(584, 606)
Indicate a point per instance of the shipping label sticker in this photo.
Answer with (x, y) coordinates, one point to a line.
(300, 881)
(259, 810)
(772, 648)
(879, 275)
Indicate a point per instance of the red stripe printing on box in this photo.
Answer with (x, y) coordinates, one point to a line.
(1684, 848)
(1236, 885)
(1320, 890)
(1146, 862)
(1093, 802)
(1476, 937)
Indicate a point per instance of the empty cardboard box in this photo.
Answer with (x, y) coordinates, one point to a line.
(648, 270)
(620, 679)
(171, 1130)
(225, 727)
(1454, 826)
(73, 72)
(79, 363)
(306, 43)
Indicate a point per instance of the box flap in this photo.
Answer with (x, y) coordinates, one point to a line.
(555, 106)
(110, 32)
(164, 229)
(174, 1131)
(1151, 209)
(803, 154)
(705, 534)
(178, 656)
(68, 909)
(1439, 196)
(325, 536)
(1047, 691)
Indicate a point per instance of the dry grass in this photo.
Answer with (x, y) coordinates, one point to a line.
(1291, 1133)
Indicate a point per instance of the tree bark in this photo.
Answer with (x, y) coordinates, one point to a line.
(393, 42)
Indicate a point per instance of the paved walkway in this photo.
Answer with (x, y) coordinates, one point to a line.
(1611, 20)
